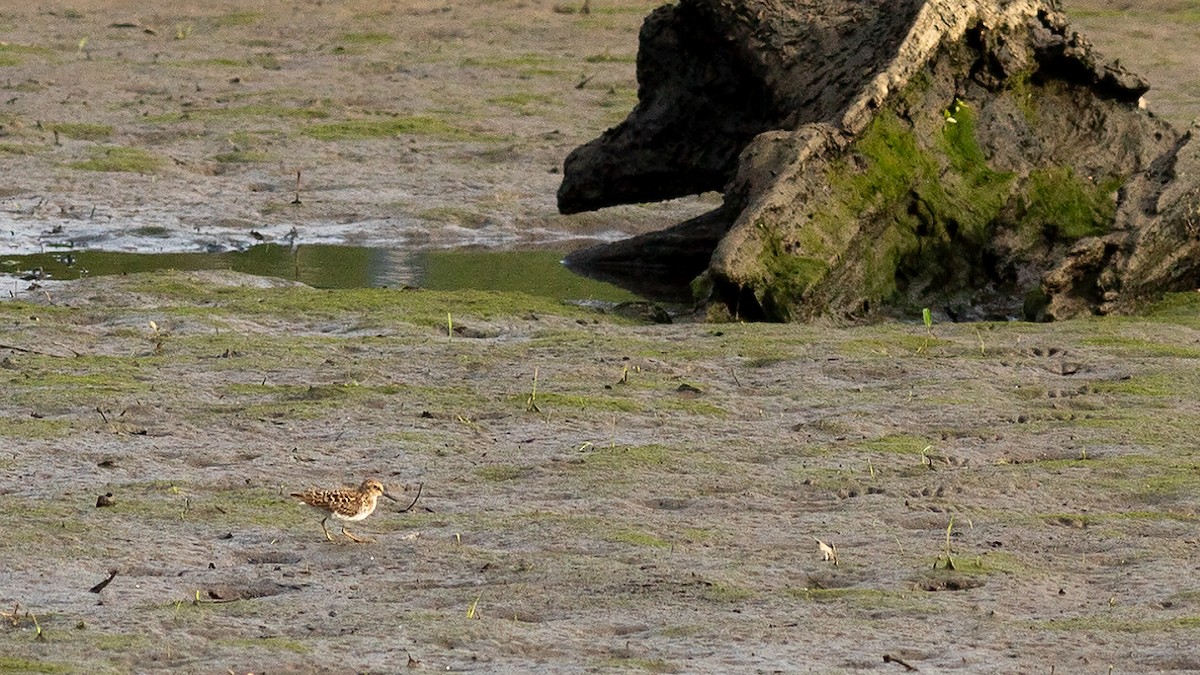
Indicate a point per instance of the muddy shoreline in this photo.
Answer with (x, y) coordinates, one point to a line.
(653, 505)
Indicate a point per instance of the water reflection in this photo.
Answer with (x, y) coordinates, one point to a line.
(327, 266)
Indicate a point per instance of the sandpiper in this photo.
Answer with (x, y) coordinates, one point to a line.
(347, 504)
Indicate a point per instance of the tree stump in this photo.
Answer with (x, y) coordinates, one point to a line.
(877, 157)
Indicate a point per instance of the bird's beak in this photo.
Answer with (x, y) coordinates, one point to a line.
(390, 497)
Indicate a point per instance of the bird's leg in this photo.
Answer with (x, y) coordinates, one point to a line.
(354, 538)
(325, 530)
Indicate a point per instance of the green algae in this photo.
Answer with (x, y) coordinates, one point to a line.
(34, 428)
(1139, 346)
(553, 400)
(119, 159)
(628, 457)
(922, 216)
(898, 444)
(366, 39)
(81, 130)
(1150, 385)
(261, 111)
(271, 644)
(933, 218)
(919, 211)
(1058, 204)
(501, 472)
(872, 599)
(387, 127)
(1175, 308)
(637, 538)
(416, 307)
(21, 149)
(16, 664)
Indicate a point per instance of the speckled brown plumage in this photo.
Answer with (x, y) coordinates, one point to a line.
(346, 504)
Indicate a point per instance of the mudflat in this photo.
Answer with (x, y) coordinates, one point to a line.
(180, 126)
(597, 494)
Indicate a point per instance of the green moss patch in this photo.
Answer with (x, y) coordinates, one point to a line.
(549, 400)
(118, 158)
(915, 216)
(31, 427)
(81, 131)
(521, 62)
(871, 599)
(365, 38)
(525, 102)
(926, 208)
(1131, 346)
(1156, 384)
(10, 54)
(607, 57)
(274, 644)
(933, 218)
(379, 305)
(900, 444)
(263, 111)
(11, 664)
(20, 149)
(241, 157)
(1061, 205)
(628, 457)
(501, 472)
(638, 538)
(384, 127)
(1176, 308)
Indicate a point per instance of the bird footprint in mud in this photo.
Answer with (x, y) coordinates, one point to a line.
(936, 492)
(1046, 351)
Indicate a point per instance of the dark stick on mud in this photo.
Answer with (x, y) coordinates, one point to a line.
(30, 350)
(100, 586)
(297, 199)
(102, 415)
(59, 344)
(888, 658)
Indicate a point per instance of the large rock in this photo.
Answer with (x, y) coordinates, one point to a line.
(972, 156)
(1154, 245)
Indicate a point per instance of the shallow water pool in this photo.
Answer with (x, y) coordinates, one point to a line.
(536, 272)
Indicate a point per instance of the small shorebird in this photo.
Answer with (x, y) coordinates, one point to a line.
(348, 504)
